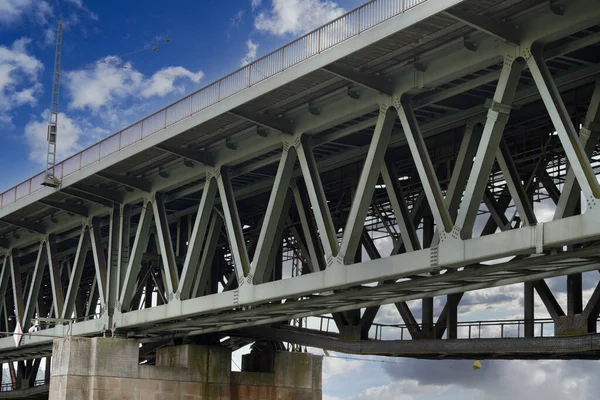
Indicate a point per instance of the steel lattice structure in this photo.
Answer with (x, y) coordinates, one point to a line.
(266, 204)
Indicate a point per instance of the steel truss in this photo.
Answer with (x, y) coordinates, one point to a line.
(198, 241)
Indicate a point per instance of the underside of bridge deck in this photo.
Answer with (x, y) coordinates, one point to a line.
(403, 161)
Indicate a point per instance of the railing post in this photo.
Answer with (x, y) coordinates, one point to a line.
(469, 331)
(502, 331)
(319, 40)
(542, 329)
(479, 329)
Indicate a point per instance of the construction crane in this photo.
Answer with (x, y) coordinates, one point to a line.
(51, 179)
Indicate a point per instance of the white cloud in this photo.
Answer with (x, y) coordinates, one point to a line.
(110, 82)
(13, 10)
(49, 36)
(399, 390)
(296, 16)
(79, 4)
(73, 135)
(236, 19)
(335, 367)
(18, 78)
(68, 138)
(162, 82)
(255, 3)
(105, 83)
(529, 380)
(251, 53)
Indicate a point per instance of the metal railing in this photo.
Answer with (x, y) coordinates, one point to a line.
(335, 32)
(9, 387)
(489, 329)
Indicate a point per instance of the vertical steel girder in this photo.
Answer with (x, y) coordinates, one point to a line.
(167, 251)
(554, 309)
(73, 289)
(192, 256)
(497, 117)
(99, 260)
(4, 280)
(271, 269)
(592, 309)
(366, 184)
(427, 316)
(551, 188)
(528, 304)
(589, 136)
(514, 184)
(452, 315)
(92, 300)
(274, 214)
(408, 233)
(208, 255)
(427, 174)
(420, 206)
(113, 275)
(233, 226)
(35, 285)
(17, 287)
(409, 320)
(572, 146)
(140, 244)
(316, 194)
(448, 316)
(574, 294)
(148, 290)
(462, 167)
(497, 211)
(309, 229)
(55, 276)
(123, 253)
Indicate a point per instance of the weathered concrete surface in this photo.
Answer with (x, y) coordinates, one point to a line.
(99, 368)
(280, 375)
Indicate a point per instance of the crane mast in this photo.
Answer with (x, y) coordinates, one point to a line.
(51, 179)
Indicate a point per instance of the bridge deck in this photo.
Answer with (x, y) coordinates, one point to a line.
(317, 117)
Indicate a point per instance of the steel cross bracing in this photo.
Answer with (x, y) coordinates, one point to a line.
(410, 131)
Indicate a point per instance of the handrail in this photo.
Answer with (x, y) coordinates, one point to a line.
(313, 43)
(466, 329)
(9, 387)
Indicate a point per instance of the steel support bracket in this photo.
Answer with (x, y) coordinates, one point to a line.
(499, 108)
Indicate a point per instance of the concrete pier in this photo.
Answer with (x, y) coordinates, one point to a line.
(102, 368)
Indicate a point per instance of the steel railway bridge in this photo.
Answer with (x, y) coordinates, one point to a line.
(394, 154)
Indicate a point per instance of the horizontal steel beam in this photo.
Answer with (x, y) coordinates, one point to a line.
(538, 348)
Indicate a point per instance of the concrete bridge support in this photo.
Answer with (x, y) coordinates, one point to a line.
(101, 368)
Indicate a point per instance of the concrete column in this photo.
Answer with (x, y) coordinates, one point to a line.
(278, 375)
(103, 368)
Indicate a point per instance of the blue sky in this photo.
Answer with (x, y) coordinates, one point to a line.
(103, 91)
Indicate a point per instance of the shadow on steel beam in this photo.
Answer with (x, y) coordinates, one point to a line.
(583, 347)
